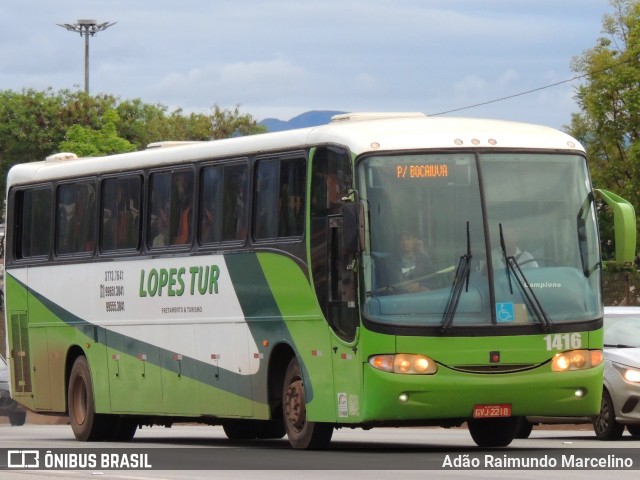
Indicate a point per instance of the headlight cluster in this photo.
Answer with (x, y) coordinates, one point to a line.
(404, 363)
(576, 360)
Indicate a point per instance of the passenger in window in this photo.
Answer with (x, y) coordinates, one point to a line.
(109, 232)
(185, 201)
(295, 216)
(87, 198)
(126, 218)
(235, 227)
(161, 228)
(289, 203)
(66, 222)
(266, 223)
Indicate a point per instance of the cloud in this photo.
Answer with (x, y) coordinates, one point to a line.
(230, 84)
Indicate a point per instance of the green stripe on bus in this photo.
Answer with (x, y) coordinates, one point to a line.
(190, 367)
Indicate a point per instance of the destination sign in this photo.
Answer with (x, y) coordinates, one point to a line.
(425, 171)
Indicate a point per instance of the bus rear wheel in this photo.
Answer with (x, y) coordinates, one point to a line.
(301, 433)
(17, 419)
(493, 432)
(85, 423)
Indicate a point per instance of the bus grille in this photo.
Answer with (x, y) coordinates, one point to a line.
(493, 368)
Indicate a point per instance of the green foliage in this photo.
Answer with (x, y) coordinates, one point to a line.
(35, 124)
(609, 122)
(87, 142)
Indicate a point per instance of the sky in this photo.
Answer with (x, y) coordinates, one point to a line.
(280, 58)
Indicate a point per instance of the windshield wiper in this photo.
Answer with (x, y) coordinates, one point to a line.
(460, 279)
(512, 267)
(620, 345)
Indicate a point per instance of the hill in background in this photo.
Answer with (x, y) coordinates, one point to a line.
(312, 118)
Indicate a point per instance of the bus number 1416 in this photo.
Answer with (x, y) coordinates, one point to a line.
(564, 341)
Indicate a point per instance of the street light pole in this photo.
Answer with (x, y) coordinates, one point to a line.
(86, 29)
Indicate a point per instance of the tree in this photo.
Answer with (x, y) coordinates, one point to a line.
(35, 124)
(609, 122)
(88, 142)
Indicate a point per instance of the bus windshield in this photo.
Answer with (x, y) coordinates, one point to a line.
(479, 239)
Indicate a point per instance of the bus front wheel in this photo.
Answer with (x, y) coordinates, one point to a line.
(493, 432)
(85, 423)
(302, 434)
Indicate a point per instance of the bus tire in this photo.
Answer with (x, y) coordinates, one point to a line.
(17, 419)
(301, 433)
(493, 432)
(523, 428)
(86, 424)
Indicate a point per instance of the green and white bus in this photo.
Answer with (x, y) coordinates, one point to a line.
(365, 273)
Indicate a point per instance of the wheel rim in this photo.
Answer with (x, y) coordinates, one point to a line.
(79, 399)
(295, 412)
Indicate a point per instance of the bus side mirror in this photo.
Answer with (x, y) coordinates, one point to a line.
(624, 220)
(352, 227)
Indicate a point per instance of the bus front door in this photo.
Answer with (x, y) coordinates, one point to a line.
(343, 318)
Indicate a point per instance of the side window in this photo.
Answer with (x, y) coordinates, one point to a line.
(171, 207)
(279, 198)
(330, 182)
(292, 193)
(265, 221)
(211, 204)
(235, 202)
(223, 203)
(34, 227)
(76, 213)
(121, 214)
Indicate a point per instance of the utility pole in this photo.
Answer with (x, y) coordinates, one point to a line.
(86, 29)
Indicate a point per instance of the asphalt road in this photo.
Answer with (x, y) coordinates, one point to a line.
(194, 452)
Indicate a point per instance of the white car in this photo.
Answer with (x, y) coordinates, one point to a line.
(621, 393)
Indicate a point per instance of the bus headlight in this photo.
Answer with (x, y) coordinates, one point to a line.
(576, 360)
(404, 363)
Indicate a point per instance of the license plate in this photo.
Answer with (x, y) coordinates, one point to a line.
(492, 411)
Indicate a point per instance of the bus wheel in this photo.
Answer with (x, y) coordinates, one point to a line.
(17, 419)
(523, 428)
(302, 434)
(85, 423)
(493, 432)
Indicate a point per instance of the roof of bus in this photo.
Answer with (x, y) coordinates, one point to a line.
(360, 132)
